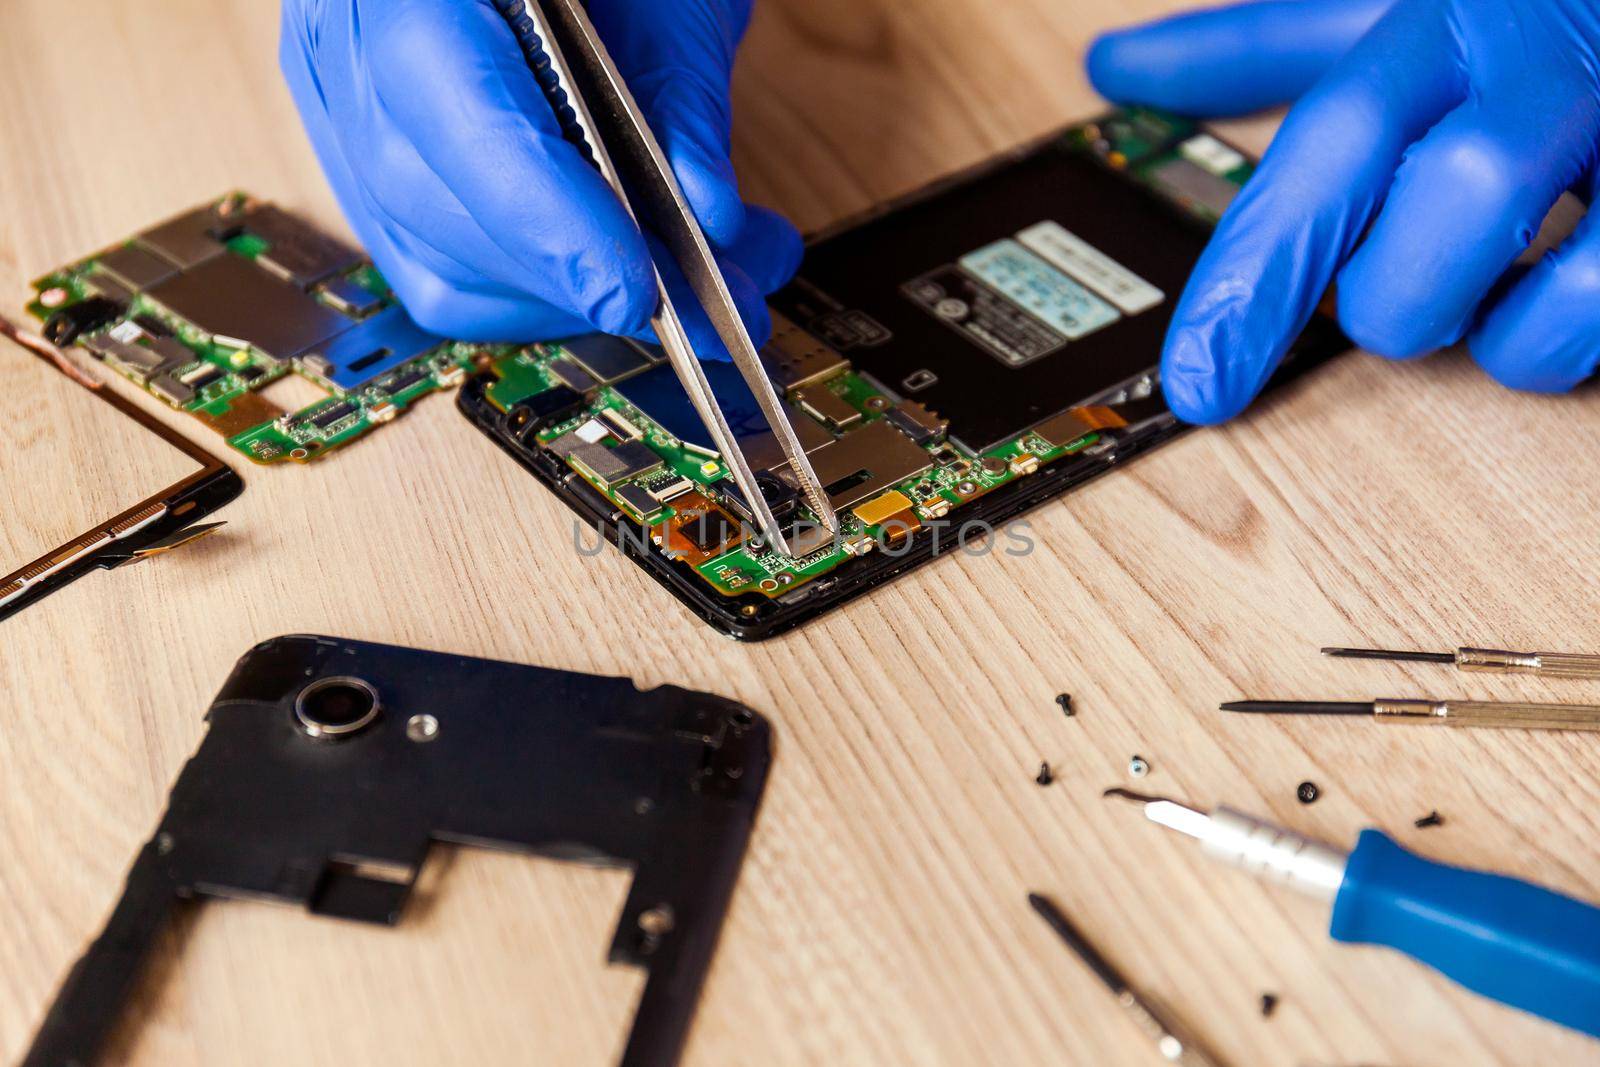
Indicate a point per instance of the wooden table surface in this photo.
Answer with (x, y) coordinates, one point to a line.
(880, 917)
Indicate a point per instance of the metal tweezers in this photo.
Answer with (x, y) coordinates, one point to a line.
(600, 117)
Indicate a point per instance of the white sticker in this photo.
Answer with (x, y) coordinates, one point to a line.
(1211, 154)
(592, 431)
(1032, 283)
(1071, 253)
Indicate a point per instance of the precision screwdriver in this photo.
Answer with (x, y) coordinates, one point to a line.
(1171, 1040)
(1514, 942)
(1437, 712)
(1488, 660)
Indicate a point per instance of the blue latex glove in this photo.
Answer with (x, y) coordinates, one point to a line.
(451, 168)
(1416, 167)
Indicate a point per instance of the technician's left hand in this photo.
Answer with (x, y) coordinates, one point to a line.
(1413, 172)
(451, 168)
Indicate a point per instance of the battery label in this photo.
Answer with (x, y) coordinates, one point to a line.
(983, 316)
(1040, 288)
(1068, 252)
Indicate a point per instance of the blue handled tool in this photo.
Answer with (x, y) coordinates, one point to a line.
(1517, 943)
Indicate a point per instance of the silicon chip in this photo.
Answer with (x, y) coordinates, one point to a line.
(405, 380)
(171, 390)
(570, 374)
(228, 296)
(627, 460)
(330, 415)
(295, 252)
(606, 357)
(639, 502)
(709, 529)
(191, 238)
(136, 268)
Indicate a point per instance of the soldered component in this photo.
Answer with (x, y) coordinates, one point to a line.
(1024, 463)
(273, 294)
(591, 432)
(610, 465)
(575, 377)
(135, 268)
(606, 357)
(865, 462)
(639, 502)
(918, 423)
(296, 252)
(671, 489)
(825, 405)
(171, 390)
(200, 375)
(794, 359)
(699, 531)
(620, 424)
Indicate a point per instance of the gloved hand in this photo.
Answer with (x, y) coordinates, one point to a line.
(451, 167)
(1449, 128)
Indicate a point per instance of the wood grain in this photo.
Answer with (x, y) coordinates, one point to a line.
(881, 915)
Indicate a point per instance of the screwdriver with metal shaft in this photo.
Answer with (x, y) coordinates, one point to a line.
(1517, 943)
(1488, 660)
(1171, 1040)
(1438, 712)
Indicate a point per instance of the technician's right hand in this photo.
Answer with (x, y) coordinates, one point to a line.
(1413, 172)
(451, 168)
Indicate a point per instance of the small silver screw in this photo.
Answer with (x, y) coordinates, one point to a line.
(1138, 767)
(422, 728)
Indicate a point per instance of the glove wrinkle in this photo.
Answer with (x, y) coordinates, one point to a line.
(1417, 170)
(452, 170)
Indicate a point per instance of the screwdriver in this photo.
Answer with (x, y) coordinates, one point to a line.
(1517, 943)
(1171, 1040)
(1438, 712)
(1488, 660)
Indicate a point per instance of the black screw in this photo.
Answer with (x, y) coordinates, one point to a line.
(1433, 818)
(1044, 776)
(1269, 1004)
(1307, 792)
(1065, 701)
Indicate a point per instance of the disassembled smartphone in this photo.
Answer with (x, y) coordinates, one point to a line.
(329, 768)
(107, 483)
(208, 309)
(949, 361)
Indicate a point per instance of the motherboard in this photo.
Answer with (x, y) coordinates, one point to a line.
(995, 337)
(209, 310)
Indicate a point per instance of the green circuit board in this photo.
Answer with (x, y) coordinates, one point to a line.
(949, 480)
(669, 492)
(207, 311)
